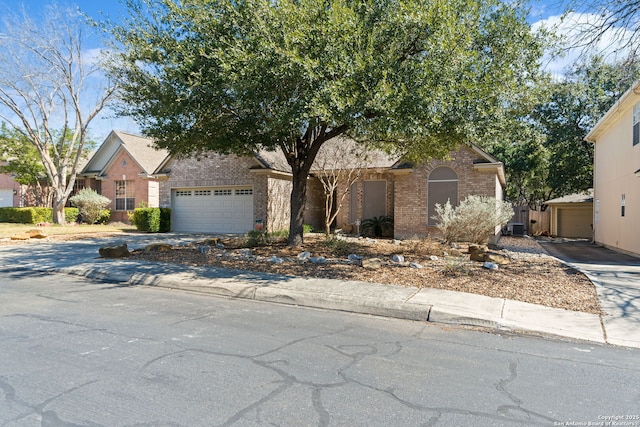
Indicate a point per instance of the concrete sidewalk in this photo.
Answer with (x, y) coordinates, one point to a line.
(433, 305)
(616, 277)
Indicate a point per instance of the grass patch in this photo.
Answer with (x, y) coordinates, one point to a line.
(9, 229)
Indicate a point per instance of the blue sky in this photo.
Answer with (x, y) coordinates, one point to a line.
(547, 11)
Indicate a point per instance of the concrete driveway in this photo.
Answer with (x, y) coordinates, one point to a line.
(616, 277)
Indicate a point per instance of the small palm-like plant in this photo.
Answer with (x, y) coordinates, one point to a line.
(377, 226)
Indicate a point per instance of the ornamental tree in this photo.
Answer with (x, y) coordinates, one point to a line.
(414, 77)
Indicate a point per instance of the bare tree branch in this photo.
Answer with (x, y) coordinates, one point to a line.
(44, 86)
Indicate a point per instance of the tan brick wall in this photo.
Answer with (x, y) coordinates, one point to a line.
(411, 191)
(343, 218)
(124, 168)
(314, 208)
(278, 204)
(214, 170)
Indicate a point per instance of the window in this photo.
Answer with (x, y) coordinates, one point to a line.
(202, 193)
(125, 195)
(222, 192)
(244, 192)
(636, 124)
(374, 199)
(442, 186)
(183, 193)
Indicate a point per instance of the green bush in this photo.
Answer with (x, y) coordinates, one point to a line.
(34, 215)
(19, 215)
(165, 220)
(379, 226)
(90, 203)
(151, 220)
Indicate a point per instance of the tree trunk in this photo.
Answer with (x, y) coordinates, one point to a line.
(58, 210)
(298, 199)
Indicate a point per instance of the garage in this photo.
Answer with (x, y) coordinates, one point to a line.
(6, 197)
(212, 210)
(575, 222)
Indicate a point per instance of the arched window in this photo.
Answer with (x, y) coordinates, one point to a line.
(442, 185)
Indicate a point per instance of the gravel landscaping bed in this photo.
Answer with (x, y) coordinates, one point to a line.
(532, 275)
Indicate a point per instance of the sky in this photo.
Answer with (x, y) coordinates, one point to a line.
(543, 12)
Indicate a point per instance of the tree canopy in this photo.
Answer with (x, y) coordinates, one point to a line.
(415, 77)
(544, 152)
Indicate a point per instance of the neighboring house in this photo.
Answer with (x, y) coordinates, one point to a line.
(572, 216)
(10, 191)
(230, 194)
(121, 170)
(616, 182)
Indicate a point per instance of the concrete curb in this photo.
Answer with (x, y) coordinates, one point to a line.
(427, 304)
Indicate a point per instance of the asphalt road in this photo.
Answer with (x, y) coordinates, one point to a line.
(81, 353)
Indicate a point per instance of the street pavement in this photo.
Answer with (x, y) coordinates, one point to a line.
(616, 282)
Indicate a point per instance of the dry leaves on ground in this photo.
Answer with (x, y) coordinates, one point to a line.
(532, 276)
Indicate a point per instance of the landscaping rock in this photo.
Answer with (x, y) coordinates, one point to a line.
(482, 255)
(118, 251)
(433, 257)
(158, 247)
(246, 252)
(37, 234)
(372, 263)
(354, 258)
(204, 249)
(21, 236)
(304, 256)
(475, 248)
(415, 265)
(212, 241)
(275, 260)
(318, 260)
(477, 256)
(397, 258)
(490, 265)
(496, 258)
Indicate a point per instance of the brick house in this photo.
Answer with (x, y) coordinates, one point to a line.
(10, 191)
(408, 192)
(230, 194)
(121, 170)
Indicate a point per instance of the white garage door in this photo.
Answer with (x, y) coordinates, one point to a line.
(6, 197)
(212, 210)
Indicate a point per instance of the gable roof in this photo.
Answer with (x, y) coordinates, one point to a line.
(622, 105)
(583, 197)
(141, 150)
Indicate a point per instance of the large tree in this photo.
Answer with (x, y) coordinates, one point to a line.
(415, 77)
(577, 102)
(613, 25)
(50, 91)
(544, 150)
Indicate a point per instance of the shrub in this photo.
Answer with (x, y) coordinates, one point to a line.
(475, 219)
(257, 238)
(146, 219)
(378, 226)
(19, 215)
(90, 203)
(151, 220)
(34, 215)
(448, 222)
(339, 247)
(165, 220)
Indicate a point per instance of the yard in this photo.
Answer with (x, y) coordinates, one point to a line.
(532, 276)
